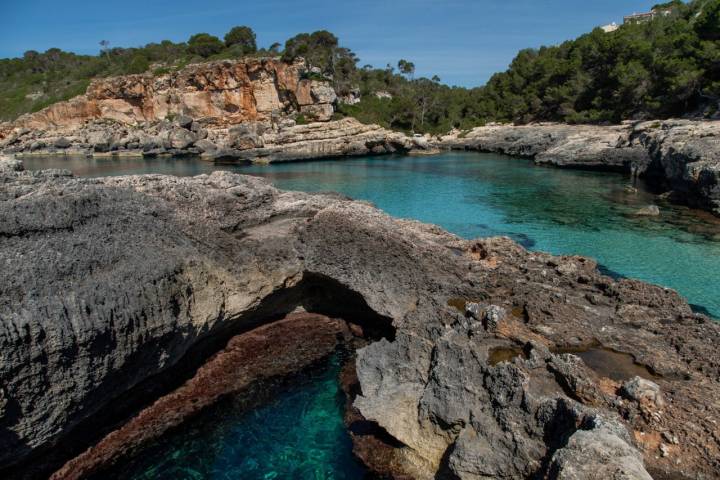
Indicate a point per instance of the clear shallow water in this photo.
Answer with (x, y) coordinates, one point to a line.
(299, 433)
(474, 195)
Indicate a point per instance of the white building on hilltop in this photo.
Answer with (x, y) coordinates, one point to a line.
(610, 27)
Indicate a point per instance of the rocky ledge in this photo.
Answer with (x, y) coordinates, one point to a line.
(261, 142)
(678, 156)
(495, 361)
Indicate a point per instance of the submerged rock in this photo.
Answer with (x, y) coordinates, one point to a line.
(274, 350)
(110, 285)
(649, 211)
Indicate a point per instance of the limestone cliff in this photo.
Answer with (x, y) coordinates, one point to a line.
(223, 92)
(250, 110)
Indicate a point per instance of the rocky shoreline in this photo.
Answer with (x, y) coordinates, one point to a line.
(256, 142)
(679, 157)
(260, 110)
(266, 110)
(489, 359)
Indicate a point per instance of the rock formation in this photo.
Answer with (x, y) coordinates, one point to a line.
(110, 285)
(243, 110)
(224, 92)
(680, 156)
(245, 142)
(257, 110)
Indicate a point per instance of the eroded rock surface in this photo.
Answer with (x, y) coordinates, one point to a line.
(110, 283)
(242, 110)
(252, 141)
(224, 92)
(681, 156)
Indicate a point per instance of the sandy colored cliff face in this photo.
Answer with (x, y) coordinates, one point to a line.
(225, 92)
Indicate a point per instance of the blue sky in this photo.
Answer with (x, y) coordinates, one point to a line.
(462, 41)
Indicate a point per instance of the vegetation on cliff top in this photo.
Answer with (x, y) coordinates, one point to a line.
(667, 67)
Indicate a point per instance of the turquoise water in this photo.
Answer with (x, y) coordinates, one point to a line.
(475, 195)
(297, 433)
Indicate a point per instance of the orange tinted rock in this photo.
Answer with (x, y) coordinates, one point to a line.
(228, 92)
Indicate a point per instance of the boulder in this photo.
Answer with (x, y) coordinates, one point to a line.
(153, 152)
(62, 142)
(322, 92)
(151, 143)
(205, 146)
(246, 136)
(320, 113)
(100, 141)
(492, 316)
(599, 453)
(489, 315)
(644, 392)
(181, 138)
(649, 211)
(184, 121)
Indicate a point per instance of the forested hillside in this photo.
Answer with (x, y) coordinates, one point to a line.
(667, 67)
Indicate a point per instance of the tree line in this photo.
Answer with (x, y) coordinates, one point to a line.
(669, 66)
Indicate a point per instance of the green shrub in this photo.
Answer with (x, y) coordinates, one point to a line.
(205, 45)
(161, 71)
(139, 64)
(242, 37)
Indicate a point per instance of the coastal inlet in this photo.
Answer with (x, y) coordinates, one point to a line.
(480, 195)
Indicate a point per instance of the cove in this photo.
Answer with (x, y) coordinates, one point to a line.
(564, 212)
